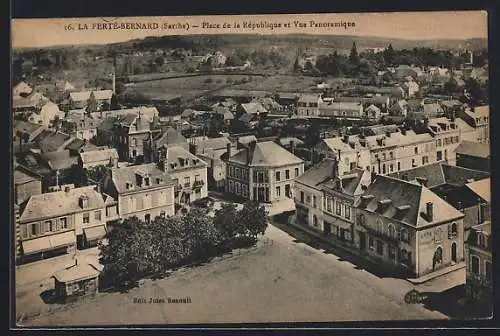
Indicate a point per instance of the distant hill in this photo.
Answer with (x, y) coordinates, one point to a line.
(332, 41)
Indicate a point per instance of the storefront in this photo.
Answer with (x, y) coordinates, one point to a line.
(49, 246)
(92, 235)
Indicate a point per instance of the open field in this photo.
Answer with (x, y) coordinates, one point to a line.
(282, 280)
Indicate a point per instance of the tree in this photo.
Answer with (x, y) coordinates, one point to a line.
(91, 104)
(226, 221)
(255, 218)
(160, 61)
(114, 103)
(353, 56)
(389, 55)
(202, 235)
(450, 87)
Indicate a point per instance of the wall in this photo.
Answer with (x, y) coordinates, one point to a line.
(93, 221)
(191, 173)
(308, 202)
(283, 182)
(164, 202)
(25, 190)
(430, 239)
(139, 145)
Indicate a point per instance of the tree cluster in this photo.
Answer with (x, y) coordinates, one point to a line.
(136, 249)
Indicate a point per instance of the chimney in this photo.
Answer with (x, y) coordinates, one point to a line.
(345, 138)
(67, 189)
(292, 146)
(228, 149)
(422, 180)
(403, 131)
(365, 199)
(429, 209)
(388, 134)
(335, 168)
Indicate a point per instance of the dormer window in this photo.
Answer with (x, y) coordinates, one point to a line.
(84, 201)
(159, 180)
(147, 181)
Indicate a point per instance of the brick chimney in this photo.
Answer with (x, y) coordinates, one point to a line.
(228, 150)
(429, 210)
(292, 146)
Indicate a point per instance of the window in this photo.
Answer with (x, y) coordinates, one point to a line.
(260, 177)
(133, 142)
(347, 212)
(64, 222)
(301, 197)
(439, 156)
(425, 160)
(380, 227)
(238, 188)
(328, 204)
(487, 269)
(287, 174)
(392, 253)
(34, 230)
(416, 150)
(197, 177)
(391, 167)
(371, 244)
(314, 201)
(380, 247)
(383, 156)
(399, 166)
(315, 220)
(278, 191)
(383, 169)
(391, 155)
(454, 229)
(231, 186)
(278, 176)
(296, 172)
(405, 235)
(48, 226)
(237, 173)
(187, 181)
(413, 163)
(147, 181)
(405, 257)
(474, 264)
(86, 218)
(392, 231)
(97, 215)
(338, 208)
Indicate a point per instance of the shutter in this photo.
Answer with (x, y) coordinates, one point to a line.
(449, 231)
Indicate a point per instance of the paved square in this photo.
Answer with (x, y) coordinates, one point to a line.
(281, 280)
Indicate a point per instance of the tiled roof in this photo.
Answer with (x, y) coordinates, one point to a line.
(60, 203)
(85, 95)
(253, 108)
(317, 174)
(411, 195)
(99, 155)
(266, 154)
(124, 175)
(179, 158)
(213, 143)
(473, 149)
(482, 188)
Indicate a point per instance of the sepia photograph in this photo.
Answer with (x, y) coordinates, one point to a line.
(281, 168)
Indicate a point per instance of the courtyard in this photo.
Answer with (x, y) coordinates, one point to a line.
(282, 279)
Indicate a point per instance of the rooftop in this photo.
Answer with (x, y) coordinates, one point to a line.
(77, 272)
(124, 176)
(411, 197)
(317, 174)
(482, 188)
(267, 154)
(60, 203)
(179, 158)
(473, 149)
(99, 155)
(85, 95)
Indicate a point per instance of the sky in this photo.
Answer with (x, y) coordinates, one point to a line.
(405, 25)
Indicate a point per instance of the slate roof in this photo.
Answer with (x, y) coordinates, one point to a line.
(380, 129)
(24, 175)
(60, 203)
(437, 174)
(349, 182)
(122, 176)
(170, 136)
(473, 149)
(266, 154)
(49, 141)
(99, 155)
(76, 144)
(25, 127)
(412, 195)
(60, 160)
(287, 141)
(317, 174)
(213, 143)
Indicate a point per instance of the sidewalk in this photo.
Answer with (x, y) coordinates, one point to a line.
(438, 273)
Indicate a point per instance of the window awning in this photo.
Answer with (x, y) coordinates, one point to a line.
(49, 242)
(95, 232)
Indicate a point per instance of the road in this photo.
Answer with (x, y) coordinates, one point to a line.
(282, 280)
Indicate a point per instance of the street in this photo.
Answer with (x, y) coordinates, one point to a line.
(280, 280)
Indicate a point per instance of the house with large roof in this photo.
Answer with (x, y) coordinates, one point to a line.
(473, 155)
(406, 227)
(263, 172)
(79, 99)
(478, 119)
(145, 191)
(54, 222)
(107, 157)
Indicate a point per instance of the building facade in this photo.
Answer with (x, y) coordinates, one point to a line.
(145, 191)
(264, 172)
(407, 228)
(479, 271)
